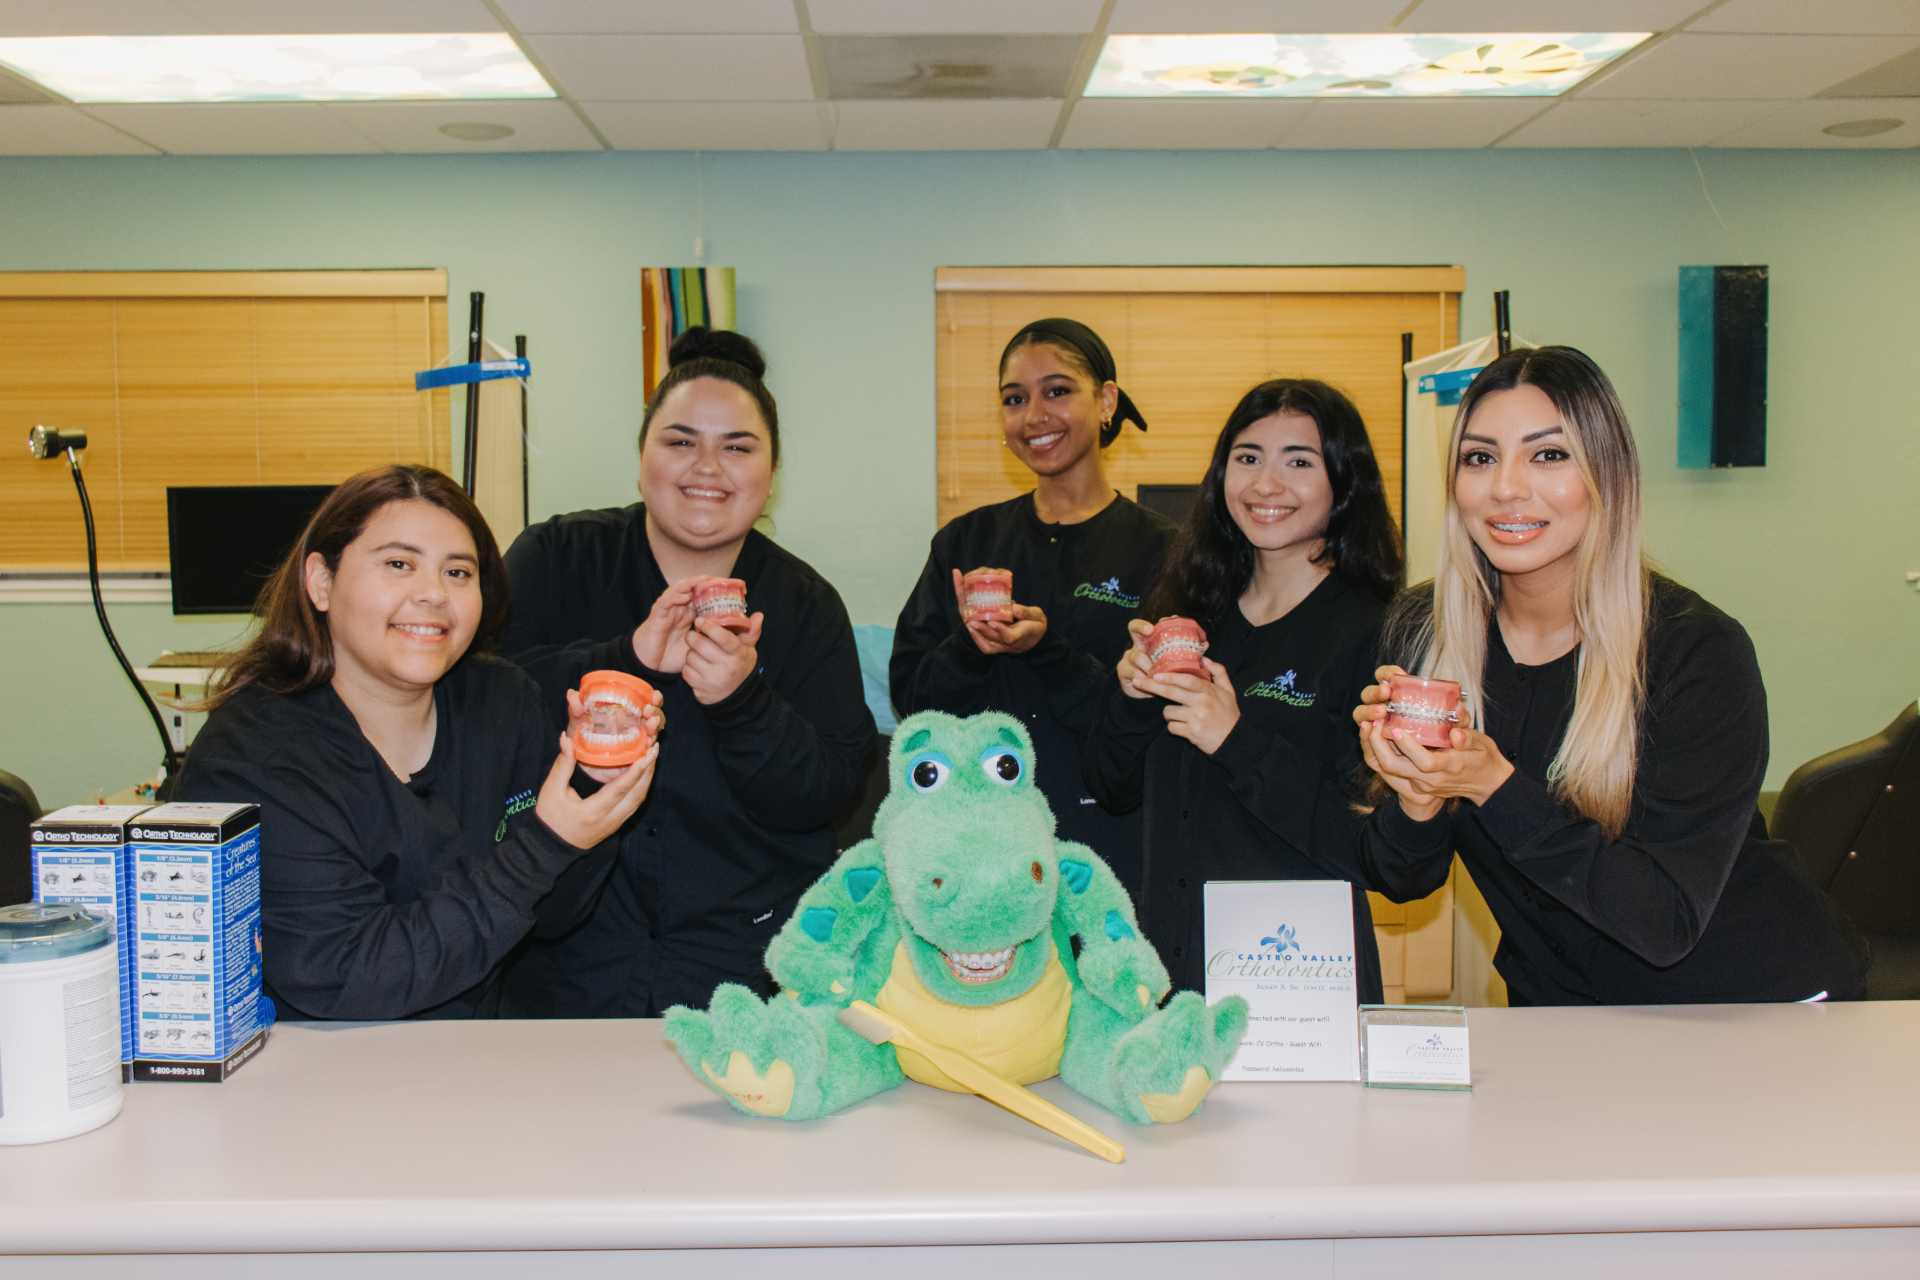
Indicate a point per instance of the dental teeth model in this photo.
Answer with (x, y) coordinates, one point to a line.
(724, 600)
(1175, 645)
(1427, 709)
(988, 592)
(614, 730)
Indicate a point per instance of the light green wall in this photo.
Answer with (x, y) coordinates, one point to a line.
(836, 256)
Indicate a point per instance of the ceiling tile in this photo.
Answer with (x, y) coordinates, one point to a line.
(652, 17)
(62, 131)
(1030, 67)
(944, 126)
(97, 18)
(355, 17)
(414, 127)
(1808, 17)
(1626, 122)
(953, 17)
(1557, 17)
(1896, 78)
(1413, 126)
(617, 68)
(20, 89)
(1799, 124)
(710, 126)
(1690, 66)
(1155, 124)
(1217, 17)
(239, 128)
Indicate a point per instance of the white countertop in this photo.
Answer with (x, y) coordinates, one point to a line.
(591, 1135)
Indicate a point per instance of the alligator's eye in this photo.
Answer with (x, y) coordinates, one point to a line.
(1039, 874)
(928, 772)
(1002, 765)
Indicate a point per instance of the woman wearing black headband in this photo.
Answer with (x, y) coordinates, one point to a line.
(1082, 559)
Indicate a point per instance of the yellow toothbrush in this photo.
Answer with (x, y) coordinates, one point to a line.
(881, 1027)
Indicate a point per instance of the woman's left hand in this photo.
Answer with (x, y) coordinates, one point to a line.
(1026, 630)
(718, 661)
(1472, 769)
(1201, 711)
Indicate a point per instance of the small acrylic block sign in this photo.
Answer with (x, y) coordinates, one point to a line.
(1414, 1047)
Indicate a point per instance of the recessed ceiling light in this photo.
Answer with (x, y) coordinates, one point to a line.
(328, 68)
(1386, 66)
(476, 131)
(1863, 128)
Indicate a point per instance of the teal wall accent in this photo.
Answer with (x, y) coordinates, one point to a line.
(1695, 372)
(836, 255)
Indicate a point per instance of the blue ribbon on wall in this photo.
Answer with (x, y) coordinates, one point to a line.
(1450, 386)
(480, 371)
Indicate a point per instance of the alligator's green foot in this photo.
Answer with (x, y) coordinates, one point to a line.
(1163, 1068)
(766, 1058)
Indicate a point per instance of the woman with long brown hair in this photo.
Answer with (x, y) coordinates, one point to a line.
(416, 816)
(1604, 796)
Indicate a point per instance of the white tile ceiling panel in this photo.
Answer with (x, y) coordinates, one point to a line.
(62, 131)
(414, 127)
(339, 17)
(239, 128)
(1798, 124)
(953, 17)
(1429, 124)
(710, 126)
(1815, 17)
(1690, 66)
(994, 125)
(676, 68)
(652, 17)
(1559, 16)
(1626, 122)
(98, 18)
(1128, 124)
(1292, 17)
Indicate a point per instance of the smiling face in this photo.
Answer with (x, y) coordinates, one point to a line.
(404, 602)
(706, 466)
(1275, 484)
(1051, 408)
(1519, 491)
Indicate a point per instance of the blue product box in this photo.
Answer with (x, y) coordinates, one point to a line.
(80, 856)
(198, 1008)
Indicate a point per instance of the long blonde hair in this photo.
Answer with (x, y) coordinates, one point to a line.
(1593, 770)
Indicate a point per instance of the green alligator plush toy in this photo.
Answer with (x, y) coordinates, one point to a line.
(958, 916)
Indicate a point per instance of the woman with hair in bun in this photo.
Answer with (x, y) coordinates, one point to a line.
(767, 729)
(1247, 773)
(1082, 558)
(1601, 786)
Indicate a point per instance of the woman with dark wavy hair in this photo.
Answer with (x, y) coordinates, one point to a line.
(1288, 560)
(415, 815)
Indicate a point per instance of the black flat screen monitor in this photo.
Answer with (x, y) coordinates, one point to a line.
(1174, 501)
(225, 541)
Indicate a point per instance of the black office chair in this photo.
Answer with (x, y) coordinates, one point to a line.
(1854, 816)
(18, 808)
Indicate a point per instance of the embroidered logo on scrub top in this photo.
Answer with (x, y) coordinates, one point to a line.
(1281, 689)
(518, 802)
(1107, 592)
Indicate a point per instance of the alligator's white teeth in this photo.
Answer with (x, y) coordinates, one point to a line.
(979, 966)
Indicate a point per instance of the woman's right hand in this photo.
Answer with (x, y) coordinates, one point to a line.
(584, 822)
(660, 643)
(1133, 665)
(1370, 719)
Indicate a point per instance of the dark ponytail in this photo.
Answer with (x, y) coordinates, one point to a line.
(732, 357)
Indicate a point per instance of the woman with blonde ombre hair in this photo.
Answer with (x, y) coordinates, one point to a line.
(1604, 797)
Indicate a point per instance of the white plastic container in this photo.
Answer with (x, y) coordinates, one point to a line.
(59, 1023)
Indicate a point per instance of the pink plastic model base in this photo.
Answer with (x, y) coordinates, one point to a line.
(724, 600)
(1175, 644)
(1428, 709)
(988, 591)
(614, 733)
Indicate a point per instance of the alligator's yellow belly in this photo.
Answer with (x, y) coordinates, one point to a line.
(1019, 1040)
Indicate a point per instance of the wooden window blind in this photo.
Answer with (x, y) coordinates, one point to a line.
(1189, 342)
(205, 378)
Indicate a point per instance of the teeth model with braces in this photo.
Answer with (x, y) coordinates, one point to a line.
(1175, 644)
(1427, 709)
(614, 731)
(724, 600)
(986, 589)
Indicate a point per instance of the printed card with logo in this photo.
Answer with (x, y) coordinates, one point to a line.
(1414, 1046)
(1287, 946)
